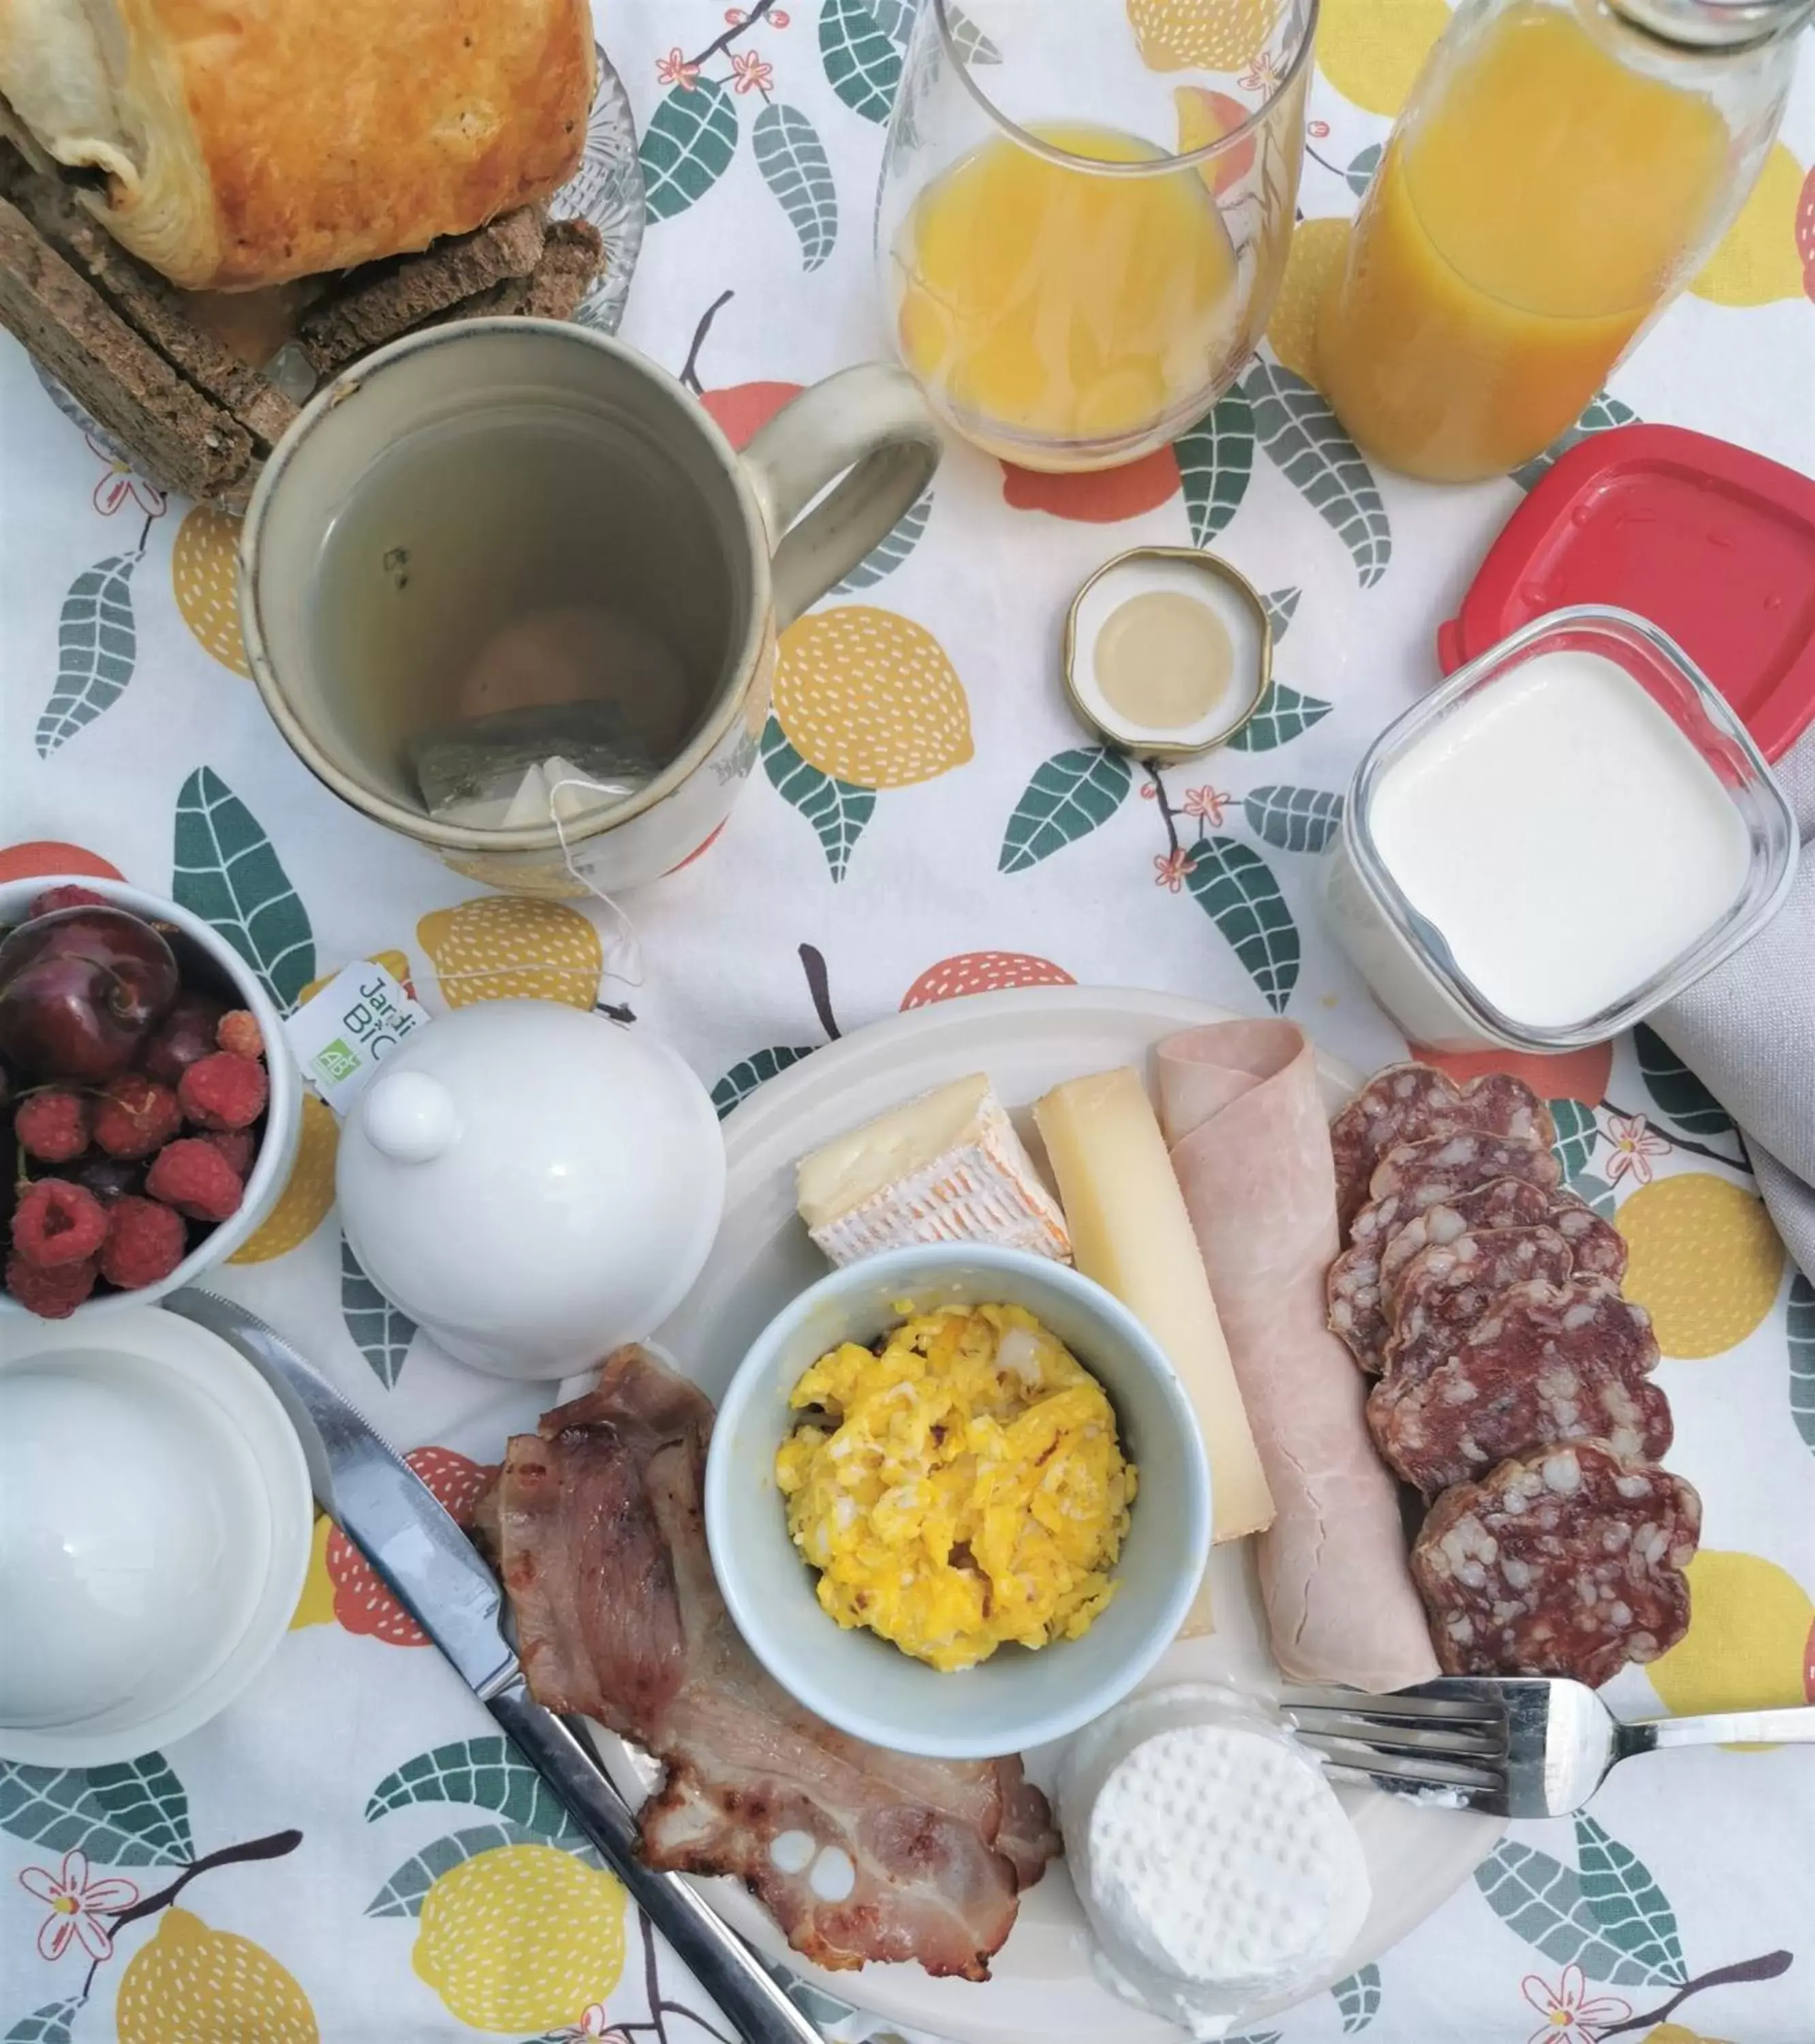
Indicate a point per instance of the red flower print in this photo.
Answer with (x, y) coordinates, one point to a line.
(77, 1906)
(1170, 868)
(1567, 2011)
(1317, 130)
(1149, 791)
(1635, 1143)
(594, 2022)
(750, 71)
(1263, 75)
(119, 485)
(673, 69)
(1208, 803)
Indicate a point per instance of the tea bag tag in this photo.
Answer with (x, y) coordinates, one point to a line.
(344, 1032)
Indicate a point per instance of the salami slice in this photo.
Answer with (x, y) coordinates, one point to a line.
(1597, 1247)
(1449, 1287)
(1440, 1166)
(1564, 1562)
(1547, 1363)
(1412, 1102)
(1500, 1203)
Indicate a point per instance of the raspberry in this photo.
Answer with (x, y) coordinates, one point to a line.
(54, 898)
(56, 1223)
(239, 1146)
(239, 1032)
(51, 1124)
(146, 1242)
(52, 1295)
(135, 1116)
(224, 1091)
(193, 1176)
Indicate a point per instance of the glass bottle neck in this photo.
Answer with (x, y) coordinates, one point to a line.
(1715, 25)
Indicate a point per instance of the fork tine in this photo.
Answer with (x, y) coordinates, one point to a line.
(1492, 1801)
(1408, 1705)
(1456, 1739)
(1426, 1769)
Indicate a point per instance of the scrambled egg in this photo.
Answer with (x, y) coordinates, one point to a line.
(963, 1487)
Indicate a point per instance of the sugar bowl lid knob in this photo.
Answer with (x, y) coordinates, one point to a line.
(409, 1117)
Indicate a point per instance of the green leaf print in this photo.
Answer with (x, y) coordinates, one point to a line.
(1358, 1999)
(1235, 887)
(137, 1816)
(687, 147)
(403, 1894)
(792, 158)
(1300, 431)
(749, 1072)
(1676, 1088)
(227, 873)
(97, 644)
(487, 1773)
(863, 65)
(1283, 714)
(889, 551)
(1360, 174)
(813, 2003)
(1294, 819)
(1072, 794)
(49, 2025)
(1543, 1901)
(381, 1331)
(896, 19)
(1216, 458)
(1627, 1903)
(1577, 1134)
(1594, 1192)
(1601, 412)
(1799, 1328)
(1282, 605)
(838, 810)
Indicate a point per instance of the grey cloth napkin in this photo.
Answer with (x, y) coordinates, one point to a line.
(1748, 1032)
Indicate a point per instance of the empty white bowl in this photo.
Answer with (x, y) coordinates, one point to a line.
(207, 960)
(1017, 1698)
(155, 1527)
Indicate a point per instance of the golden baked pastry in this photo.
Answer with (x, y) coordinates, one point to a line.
(246, 142)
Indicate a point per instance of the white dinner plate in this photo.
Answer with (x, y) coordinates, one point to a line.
(1028, 1040)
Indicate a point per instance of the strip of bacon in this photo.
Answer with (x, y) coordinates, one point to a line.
(600, 1535)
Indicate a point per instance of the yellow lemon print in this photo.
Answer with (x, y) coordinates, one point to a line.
(192, 1985)
(1371, 50)
(1758, 259)
(396, 963)
(1705, 1260)
(511, 947)
(302, 1205)
(1318, 248)
(522, 1939)
(1674, 2033)
(870, 697)
(1200, 35)
(201, 577)
(316, 1605)
(1749, 1645)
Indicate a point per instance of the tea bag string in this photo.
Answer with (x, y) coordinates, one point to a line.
(623, 959)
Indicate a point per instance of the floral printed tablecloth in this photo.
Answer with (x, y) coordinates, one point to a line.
(347, 1853)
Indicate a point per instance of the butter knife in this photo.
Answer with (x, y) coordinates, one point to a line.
(435, 1572)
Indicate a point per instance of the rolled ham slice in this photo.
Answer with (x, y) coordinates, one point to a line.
(1250, 1143)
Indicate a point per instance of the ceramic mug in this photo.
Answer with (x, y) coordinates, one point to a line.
(675, 528)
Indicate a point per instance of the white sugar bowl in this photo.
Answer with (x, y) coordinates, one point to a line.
(532, 1183)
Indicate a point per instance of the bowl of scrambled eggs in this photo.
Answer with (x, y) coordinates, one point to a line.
(956, 1500)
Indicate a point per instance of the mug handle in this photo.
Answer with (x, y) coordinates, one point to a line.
(871, 420)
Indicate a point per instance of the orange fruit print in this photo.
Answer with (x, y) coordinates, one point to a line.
(742, 410)
(982, 972)
(46, 854)
(1570, 1075)
(1103, 497)
(362, 1604)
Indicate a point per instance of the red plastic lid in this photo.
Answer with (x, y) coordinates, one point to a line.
(1714, 544)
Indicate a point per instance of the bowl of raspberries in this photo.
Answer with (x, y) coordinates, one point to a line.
(149, 1109)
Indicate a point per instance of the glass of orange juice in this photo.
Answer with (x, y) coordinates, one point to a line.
(1084, 213)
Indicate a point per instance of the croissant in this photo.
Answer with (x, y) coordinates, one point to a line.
(243, 142)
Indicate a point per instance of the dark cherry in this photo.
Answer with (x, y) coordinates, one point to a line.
(78, 991)
(109, 1177)
(185, 1035)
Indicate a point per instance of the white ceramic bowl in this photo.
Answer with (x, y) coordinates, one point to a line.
(154, 1528)
(208, 960)
(1017, 1698)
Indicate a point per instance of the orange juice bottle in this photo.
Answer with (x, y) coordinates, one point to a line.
(1561, 168)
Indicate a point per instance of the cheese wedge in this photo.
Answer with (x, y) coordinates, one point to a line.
(947, 1167)
(1130, 1231)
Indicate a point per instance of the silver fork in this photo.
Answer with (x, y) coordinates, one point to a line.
(1525, 1747)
